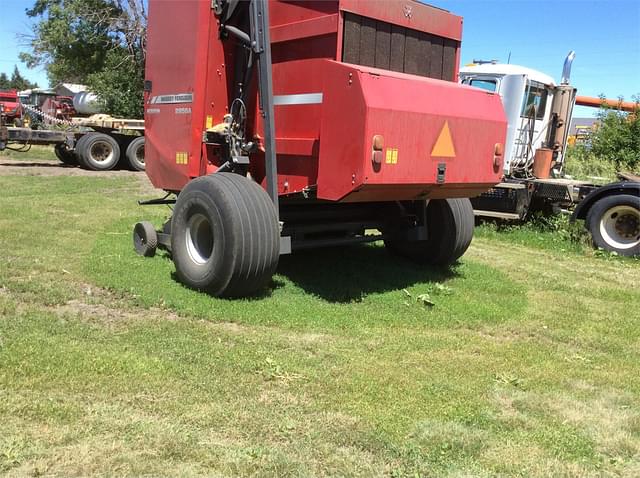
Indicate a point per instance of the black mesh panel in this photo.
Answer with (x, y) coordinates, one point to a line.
(379, 44)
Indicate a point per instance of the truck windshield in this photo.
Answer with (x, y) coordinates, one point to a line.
(489, 85)
(8, 99)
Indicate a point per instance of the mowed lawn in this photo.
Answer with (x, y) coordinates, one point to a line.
(522, 360)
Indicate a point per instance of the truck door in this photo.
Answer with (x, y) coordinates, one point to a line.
(532, 125)
(512, 89)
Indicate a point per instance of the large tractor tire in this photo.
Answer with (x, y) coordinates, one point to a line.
(135, 154)
(66, 155)
(98, 152)
(450, 224)
(225, 236)
(614, 224)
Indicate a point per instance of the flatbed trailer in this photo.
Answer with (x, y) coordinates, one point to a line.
(99, 142)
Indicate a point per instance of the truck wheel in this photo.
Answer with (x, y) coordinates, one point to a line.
(614, 224)
(98, 151)
(225, 236)
(135, 154)
(450, 225)
(145, 239)
(66, 155)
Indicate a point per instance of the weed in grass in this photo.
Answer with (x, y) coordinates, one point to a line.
(271, 370)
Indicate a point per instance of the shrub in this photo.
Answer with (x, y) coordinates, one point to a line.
(582, 163)
(617, 138)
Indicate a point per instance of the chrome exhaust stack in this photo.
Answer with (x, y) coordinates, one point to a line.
(566, 69)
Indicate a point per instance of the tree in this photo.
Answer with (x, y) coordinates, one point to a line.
(119, 85)
(617, 137)
(101, 43)
(17, 81)
(70, 39)
(5, 84)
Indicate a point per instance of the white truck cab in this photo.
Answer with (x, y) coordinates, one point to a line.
(538, 115)
(537, 109)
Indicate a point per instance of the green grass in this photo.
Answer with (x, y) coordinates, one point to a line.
(526, 364)
(31, 153)
(350, 289)
(550, 233)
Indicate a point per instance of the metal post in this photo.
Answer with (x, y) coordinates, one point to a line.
(261, 44)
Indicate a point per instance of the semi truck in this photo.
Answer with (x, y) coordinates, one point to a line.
(275, 126)
(97, 142)
(539, 114)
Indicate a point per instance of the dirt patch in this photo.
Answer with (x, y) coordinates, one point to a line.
(41, 167)
(97, 311)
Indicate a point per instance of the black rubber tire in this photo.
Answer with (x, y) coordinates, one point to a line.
(77, 148)
(597, 216)
(450, 224)
(133, 152)
(145, 239)
(65, 155)
(225, 237)
(91, 143)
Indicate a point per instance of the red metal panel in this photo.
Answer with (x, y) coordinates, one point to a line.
(297, 124)
(410, 113)
(283, 12)
(177, 53)
(305, 28)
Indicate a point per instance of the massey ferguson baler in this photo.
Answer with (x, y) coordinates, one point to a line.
(282, 125)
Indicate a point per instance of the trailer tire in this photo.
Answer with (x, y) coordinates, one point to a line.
(65, 155)
(145, 239)
(614, 224)
(225, 236)
(98, 152)
(450, 224)
(135, 154)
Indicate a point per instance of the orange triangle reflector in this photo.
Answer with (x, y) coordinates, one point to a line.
(444, 145)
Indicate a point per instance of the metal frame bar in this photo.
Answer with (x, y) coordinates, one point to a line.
(261, 44)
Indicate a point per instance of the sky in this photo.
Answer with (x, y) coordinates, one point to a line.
(605, 35)
(539, 34)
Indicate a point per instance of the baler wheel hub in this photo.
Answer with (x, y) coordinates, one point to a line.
(199, 238)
